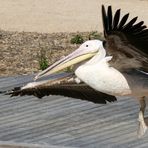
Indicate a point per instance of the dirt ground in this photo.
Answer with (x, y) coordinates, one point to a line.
(63, 15)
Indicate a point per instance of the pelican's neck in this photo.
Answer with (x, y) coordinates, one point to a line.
(98, 57)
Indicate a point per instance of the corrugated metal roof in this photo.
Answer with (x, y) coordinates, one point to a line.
(57, 121)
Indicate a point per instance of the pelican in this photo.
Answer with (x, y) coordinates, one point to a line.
(117, 66)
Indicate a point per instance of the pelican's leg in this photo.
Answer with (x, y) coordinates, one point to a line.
(142, 125)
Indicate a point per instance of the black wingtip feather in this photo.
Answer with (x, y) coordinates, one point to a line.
(136, 34)
(116, 19)
(104, 20)
(14, 92)
(129, 25)
(123, 21)
(109, 13)
(138, 27)
(111, 23)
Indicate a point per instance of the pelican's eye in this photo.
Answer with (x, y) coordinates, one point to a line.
(86, 45)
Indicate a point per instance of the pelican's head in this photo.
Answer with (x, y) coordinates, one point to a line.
(86, 51)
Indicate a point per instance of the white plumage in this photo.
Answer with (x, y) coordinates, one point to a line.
(104, 78)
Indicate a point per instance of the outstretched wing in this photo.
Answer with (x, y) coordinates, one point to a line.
(62, 85)
(126, 42)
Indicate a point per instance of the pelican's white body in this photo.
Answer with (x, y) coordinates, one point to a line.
(103, 78)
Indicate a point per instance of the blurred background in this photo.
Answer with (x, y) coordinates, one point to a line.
(62, 15)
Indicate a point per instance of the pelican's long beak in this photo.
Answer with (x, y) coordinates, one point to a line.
(75, 57)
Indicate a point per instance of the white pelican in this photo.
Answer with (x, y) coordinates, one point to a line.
(117, 66)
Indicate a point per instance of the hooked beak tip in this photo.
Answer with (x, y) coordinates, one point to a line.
(35, 78)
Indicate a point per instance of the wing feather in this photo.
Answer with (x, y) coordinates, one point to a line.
(126, 41)
(129, 26)
(104, 19)
(65, 86)
(116, 19)
(110, 19)
(123, 21)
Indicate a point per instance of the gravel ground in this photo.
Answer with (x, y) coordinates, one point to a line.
(21, 51)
